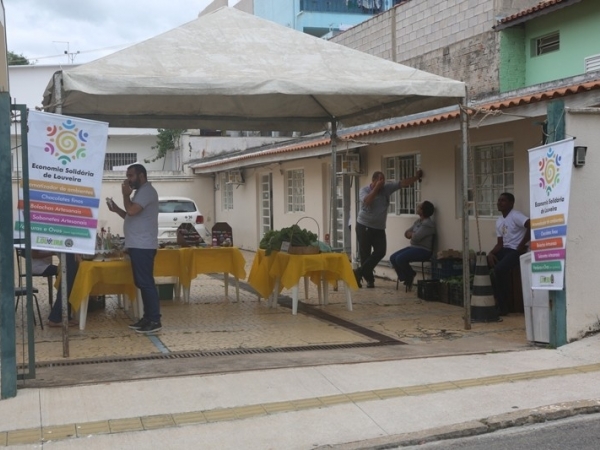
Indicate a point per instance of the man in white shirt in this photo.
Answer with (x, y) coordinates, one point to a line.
(513, 232)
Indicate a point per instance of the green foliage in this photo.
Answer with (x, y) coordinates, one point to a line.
(166, 140)
(296, 236)
(17, 60)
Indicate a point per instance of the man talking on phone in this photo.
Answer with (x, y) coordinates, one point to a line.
(140, 212)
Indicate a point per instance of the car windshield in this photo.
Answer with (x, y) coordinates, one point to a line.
(176, 206)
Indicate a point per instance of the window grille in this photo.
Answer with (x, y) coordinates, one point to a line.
(295, 190)
(396, 168)
(119, 159)
(494, 174)
(546, 44)
(226, 193)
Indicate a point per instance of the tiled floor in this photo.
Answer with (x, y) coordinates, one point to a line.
(213, 322)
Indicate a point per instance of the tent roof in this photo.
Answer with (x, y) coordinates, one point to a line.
(232, 70)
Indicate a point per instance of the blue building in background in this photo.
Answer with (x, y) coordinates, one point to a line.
(320, 18)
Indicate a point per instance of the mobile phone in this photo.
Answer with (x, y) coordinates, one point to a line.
(109, 202)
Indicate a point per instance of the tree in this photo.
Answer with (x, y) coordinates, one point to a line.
(17, 60)
(167, 139)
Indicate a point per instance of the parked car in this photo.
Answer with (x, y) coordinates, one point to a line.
(173, 211)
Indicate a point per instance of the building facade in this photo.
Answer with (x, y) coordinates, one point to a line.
(286, 182)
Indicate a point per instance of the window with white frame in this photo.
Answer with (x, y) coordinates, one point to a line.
(396, 168)
(119, 159)
(491, 173)
(226, 193)
(295, 190)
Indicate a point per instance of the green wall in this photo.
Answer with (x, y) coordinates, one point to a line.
(512, 58)
(579, 27)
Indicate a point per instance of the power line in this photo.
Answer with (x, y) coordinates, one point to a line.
(80, 52)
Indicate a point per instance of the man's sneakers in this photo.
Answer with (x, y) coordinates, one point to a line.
(150, 328)
(139, 324)
(145, 326)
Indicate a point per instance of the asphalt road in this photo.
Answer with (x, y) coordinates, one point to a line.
(580, 432)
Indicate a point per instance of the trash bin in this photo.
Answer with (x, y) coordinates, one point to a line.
(536, 303)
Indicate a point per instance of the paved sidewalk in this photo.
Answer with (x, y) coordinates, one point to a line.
(345, 406)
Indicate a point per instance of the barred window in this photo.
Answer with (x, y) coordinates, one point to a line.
(119, 159)
(226, 193)
(295, 190)
(396, 168)
(494, 174)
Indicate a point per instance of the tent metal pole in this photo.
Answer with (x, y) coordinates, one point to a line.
(63, 256)
(464, 127)
(333, 205)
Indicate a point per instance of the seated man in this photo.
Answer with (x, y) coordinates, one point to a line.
(55, 317)
(41, 263)
(421, 235)
(513, 231)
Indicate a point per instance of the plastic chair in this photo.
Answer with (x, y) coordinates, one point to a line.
(21, 291)
(22, 274)
(431, 260)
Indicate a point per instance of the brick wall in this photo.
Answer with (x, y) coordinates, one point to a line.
(451, 38)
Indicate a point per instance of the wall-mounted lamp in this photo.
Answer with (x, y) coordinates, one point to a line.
(579, 156)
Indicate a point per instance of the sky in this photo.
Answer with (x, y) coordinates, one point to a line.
(43, 30)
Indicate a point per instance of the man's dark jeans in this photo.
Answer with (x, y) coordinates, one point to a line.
(372, 245)
(56, 311)
(142, 265)
(507, 260)
(401, 260)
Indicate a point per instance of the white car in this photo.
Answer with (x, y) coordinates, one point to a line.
(173, 211)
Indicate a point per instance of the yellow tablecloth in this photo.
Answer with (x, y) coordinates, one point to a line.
(290, 268)
(101, 278)
(214, 260)
(116, 277)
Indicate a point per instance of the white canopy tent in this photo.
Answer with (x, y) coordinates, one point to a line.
(235, 71)
(232, 70)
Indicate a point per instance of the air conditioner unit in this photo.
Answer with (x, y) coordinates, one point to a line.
(592, 63)
(235, 177)
(351, 164)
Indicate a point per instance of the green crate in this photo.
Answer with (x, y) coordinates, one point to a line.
(165, 291)
(428, 290)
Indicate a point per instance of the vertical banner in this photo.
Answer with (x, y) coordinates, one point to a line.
(66, 164)
(550, 168)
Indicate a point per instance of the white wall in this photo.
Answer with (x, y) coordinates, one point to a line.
(583, 241)
(245, 216)
(28, 83)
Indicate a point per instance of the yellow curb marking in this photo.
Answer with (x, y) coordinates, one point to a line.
(69, 431)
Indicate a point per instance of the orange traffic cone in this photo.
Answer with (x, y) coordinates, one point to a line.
(483, 305)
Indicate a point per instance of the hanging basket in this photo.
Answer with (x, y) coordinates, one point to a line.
(307, 249)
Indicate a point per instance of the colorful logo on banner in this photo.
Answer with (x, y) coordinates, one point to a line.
(66, 142)
(549, 189)
(549, 167)
(65, 165)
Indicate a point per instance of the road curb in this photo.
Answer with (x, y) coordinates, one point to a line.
(475, 427)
